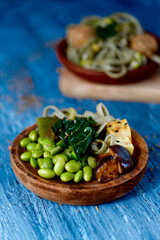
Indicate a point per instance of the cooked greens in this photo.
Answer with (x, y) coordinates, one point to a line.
(107, 31)
(78, 133)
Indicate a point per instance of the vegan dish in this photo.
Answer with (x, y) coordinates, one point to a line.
(114, 45)
(78, 148)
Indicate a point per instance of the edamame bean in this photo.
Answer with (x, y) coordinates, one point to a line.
(92, 162)
(46, 163)
(67, 152)
(37, 153)
(33, 162)
(47, 154)
(31, 146)
(87, 173)
(40, 140)
(78, 176)
(48, 145)
(138, 56)
(134, 64)
(59, 167)
(38, 146)
(40, 162)
(24, 142)
(67, 176)
(59, 156)
(74, 156)
(73, 166)
(56, 150)
(61, 143)
(33, 135)
(26, 156)
(46, 173)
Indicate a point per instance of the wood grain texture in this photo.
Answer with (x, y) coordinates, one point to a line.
(73, 86)
(29, 82)
(82, 193)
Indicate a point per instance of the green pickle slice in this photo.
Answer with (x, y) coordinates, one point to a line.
(45, 125)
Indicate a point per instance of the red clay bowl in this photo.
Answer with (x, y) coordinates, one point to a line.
(100, 77)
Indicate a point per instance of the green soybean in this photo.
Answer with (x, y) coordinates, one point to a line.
(59, 167)
(92, 162)
(46, 173)
(59, 156)
(38, 146)
(46, 163)
(37, 153)
(72, 166)
(48, 145)
(47, 154)
(134, 64)
(87, 173)
(56, 150)
(33, 135)
(78, 176)
(26, 156)
(67, 152)
(61, 143)
(40, 162)
(40, 140)
(67, 176)
(74, 156)
(31, 146)
(33, 162)
(24, 142)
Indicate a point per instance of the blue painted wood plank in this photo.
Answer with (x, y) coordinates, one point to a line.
(29, 82)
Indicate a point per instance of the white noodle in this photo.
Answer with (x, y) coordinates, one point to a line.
(101, 118)
(114, 55)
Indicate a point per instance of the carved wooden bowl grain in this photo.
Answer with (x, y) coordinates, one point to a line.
(79, 193)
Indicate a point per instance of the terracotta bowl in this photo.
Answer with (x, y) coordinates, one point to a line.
(100, 77)
(79, 193)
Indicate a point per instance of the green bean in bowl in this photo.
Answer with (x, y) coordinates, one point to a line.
(73, 147)
(114, 45)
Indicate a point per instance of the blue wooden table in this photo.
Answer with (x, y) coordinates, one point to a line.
(29, 82)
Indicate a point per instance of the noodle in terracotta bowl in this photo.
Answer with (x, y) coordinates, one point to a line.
(113, 49)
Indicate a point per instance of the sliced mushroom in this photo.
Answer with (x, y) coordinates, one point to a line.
(117, 161)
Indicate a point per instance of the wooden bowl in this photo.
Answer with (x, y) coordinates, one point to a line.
(100, 77)
(78, 193)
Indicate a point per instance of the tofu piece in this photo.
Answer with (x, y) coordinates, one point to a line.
(126, 143)
(119, 128)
